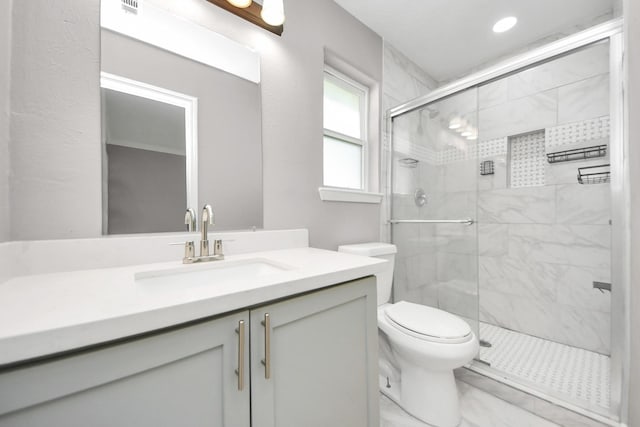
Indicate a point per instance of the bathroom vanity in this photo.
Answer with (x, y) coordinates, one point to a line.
(280, 337)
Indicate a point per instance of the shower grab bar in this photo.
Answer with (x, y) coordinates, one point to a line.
(467, 221)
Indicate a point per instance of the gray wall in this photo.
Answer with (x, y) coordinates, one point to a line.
(229, 149)
(5, 71)
(292, 71)
(632, 18)
(56, 129)
(55, 120)
(147, 191)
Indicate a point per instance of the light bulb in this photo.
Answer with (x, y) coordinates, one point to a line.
(241, 3)
(462, 127)
(273, 12)
(455, 123)
(467, 132)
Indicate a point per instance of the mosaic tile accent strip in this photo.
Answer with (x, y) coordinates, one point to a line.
(577, 132)
(528, 160)
(425, 154)
(563, 135)
(407, 149)
(471, 151)
(492, 147)
(575, 372)
(452, 155)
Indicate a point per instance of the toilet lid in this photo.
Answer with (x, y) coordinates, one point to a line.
(427, 321)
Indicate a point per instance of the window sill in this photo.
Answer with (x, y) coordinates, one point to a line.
(354, 196)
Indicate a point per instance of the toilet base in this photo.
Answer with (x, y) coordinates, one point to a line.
(430, 396)
(390, 388)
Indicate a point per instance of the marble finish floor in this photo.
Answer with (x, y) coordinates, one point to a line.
(479, 409)
(580, 375)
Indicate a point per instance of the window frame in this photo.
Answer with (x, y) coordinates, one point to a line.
(349, 84)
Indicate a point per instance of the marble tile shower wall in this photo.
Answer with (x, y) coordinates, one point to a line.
(416, 262)
(456, 197)
(403, 80)
(436, 265)
(541, 247)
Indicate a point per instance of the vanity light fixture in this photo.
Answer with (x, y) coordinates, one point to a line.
(270, 16)
(505, 24)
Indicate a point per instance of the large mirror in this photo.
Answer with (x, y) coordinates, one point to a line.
(180, 128)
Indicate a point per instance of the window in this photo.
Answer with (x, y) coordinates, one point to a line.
(345, 132)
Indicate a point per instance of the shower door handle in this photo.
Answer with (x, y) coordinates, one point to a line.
(467, 221)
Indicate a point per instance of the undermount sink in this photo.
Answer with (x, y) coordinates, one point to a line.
(212, 273)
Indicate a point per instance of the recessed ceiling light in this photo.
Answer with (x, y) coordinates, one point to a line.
(505, 24)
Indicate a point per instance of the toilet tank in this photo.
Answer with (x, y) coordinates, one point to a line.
(377, 250)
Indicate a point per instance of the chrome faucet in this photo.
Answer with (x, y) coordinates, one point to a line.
(190, 219)
(190, 222)
(207, 220)
(205, 253)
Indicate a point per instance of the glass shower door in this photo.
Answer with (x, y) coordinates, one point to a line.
(528, 158)
(434, 174)
(544, 228)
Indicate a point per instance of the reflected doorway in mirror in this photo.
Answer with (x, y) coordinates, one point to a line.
(149, 144)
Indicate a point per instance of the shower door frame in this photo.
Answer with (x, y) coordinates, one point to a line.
(611, 31)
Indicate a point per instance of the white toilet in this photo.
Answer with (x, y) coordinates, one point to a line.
(426, 343)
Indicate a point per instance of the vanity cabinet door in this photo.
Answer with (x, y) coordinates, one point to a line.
(183, 377)
(314, 361)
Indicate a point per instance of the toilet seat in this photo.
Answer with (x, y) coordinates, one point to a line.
(427, 323)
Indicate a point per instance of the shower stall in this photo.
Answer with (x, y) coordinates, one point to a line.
(506, 205)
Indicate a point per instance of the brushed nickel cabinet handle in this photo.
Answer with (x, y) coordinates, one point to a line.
(240, 370)
(267, 345)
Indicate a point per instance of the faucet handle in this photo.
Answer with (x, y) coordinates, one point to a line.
(189, 250)
(217, 248)
(190, 219)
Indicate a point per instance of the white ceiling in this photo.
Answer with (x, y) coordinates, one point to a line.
(140, 122)
(450, 38)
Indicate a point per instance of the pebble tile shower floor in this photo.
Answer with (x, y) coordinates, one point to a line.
(580, 374)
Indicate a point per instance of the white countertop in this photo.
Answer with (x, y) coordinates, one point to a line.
(50, 313)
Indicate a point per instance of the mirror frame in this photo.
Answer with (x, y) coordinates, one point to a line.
(166, 96)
